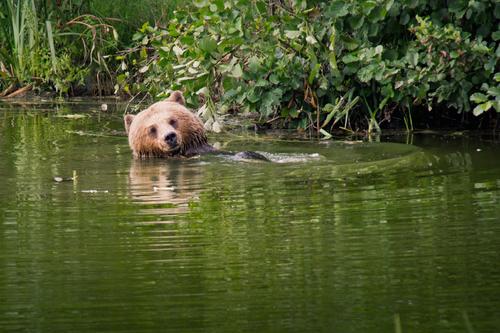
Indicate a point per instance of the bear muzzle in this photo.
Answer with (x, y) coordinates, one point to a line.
(171, 139)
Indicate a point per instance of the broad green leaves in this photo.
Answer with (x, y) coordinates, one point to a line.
(298, 62)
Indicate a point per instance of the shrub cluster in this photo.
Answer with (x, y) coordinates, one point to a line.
(316, 64)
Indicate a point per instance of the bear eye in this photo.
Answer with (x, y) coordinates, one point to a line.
(173, 122)
(152, 130)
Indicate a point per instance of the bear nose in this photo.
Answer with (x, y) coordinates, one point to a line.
(171, 139)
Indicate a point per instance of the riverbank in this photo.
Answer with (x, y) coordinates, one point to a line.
(314, 66)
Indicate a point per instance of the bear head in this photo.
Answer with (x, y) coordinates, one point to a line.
(165, 129)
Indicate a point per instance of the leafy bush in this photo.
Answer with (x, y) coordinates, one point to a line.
(297, 62)
(42, 47)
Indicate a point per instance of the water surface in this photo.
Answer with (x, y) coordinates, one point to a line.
(331, 236)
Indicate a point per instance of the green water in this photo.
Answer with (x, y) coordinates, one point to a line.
(330, 237)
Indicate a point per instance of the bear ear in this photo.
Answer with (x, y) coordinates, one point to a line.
(176, 97)
(128, 121)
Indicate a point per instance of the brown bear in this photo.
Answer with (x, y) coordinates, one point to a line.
(169, 129)
(166, 129)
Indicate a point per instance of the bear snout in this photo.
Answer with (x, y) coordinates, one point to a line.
(171, 139)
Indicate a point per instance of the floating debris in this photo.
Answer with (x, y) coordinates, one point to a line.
(73, 179)
(156, 188)
(72, 116)
(82, 133)
(61, 179)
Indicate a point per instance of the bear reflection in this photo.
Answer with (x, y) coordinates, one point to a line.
(174, 182)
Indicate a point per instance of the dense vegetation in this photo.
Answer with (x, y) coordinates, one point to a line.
(315, 65)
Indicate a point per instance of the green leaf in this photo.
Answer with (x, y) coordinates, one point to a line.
(237, 72)
(478, 98)
(494, 91)
(412, 57)
(482, 108)
(368, 6)
(349, 58)
(328, 108)
(200, 3)
(332, 59)
(350, 43)
(274, 79)
(314, 73)
(261, 83)
(496, 35)
(332, 111)
(496, 105)
(377, 14)
(254, 64)
(404, 19)
(356, 22)
(366, 73)
(338, 9)
(208, 45)
(252, 96)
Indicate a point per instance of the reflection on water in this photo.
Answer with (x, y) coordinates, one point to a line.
(342, 237)
(170, 184)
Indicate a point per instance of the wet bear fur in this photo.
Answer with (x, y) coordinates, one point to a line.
(169, 129)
